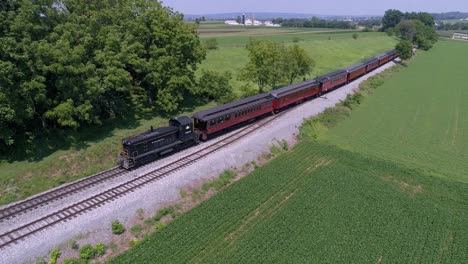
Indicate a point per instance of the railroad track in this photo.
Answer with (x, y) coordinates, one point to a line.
(19, 208)
(13, 236)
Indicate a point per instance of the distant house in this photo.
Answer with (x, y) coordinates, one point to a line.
(231, 22)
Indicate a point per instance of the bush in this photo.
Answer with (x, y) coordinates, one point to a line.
(74, 261)
(211, 44)
(100, 249)
(87, 252)
(54, 256)
(159, 226)
(355, 35)
(134, 242)
(136, 230)
(74, 245)
(183, 193)
(117, 227)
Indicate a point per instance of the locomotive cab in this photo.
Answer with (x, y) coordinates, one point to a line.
(185, 127)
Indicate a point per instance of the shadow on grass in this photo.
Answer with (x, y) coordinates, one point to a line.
(45, 142)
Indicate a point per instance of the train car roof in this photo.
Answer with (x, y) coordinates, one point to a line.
(224, 109)
(355, 67)
(292, 88)
(369, 61)
(148, 135)
(330, 75)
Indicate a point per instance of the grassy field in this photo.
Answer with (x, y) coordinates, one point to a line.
(425, 124)
(383, 185)
(330, 51)
(219, 29)
(50, 161)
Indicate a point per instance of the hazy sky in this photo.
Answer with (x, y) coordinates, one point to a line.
(320, 7)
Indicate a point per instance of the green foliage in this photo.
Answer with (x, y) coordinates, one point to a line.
(391, 18)
(74, 261)
(134, 242)
(405, 49)
(183, 193)
(224, 179)
(78, 64)
(87, 252)
(264, 67)
(296, 63)
(54, 255)
(211, 44)
(272, 63)
(100, 249)
(159, 226)
(136, 230)
(214, 85)
(74, 245)
(163, 212)
(355, 35)
(117, 227)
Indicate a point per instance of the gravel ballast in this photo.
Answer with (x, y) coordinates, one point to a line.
(94, 226)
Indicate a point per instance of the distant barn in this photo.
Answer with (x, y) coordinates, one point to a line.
(460, 36)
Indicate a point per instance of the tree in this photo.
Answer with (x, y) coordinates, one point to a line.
(391, 18)
(214, 85)
(296, 63)
(406, 29)
(69, 63)
(404, 49)
(264, 67)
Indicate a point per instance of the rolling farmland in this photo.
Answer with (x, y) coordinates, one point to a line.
(385, 185)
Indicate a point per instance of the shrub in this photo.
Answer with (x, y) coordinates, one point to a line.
(136, 230)
(296, 39)
(163, 212)
(87, 252)
(117, 227)
(159, 226)
(54, 254)
(74, 245)
(211, 44)
(74, 261)
(100, 249)
(140, 213)
(133, 242)
(355, 35)
(182, 193)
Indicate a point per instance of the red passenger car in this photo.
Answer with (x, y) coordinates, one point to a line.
(355, 71)
(218, 118)
(371, 64)
(332, 80)
(294, 93)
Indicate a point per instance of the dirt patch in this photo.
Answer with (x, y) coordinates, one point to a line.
(404, 186)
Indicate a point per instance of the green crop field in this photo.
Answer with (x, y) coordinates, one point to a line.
(384, 185)
(419, 118)
(49, 162)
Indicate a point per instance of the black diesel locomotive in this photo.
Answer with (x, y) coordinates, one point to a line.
(142, 148)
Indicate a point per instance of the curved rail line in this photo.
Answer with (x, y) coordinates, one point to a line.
(13, 236)
(58, 193)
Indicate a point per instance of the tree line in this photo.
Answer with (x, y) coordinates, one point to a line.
(452, 26)
(314, 22)
(70, 63)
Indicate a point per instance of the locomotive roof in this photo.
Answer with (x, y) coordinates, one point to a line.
(332, 74)
(292, 88)
(355, 67)
(148, 135)
(230, 107)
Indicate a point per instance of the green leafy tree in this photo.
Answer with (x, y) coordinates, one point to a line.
(296, 63)
(405, 49)
(406, 29)
(265, 65)
(391, 18)
(215, 85)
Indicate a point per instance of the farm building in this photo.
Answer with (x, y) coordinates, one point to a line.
(460, 36)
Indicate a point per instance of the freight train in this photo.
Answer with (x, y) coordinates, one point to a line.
(184, 131)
